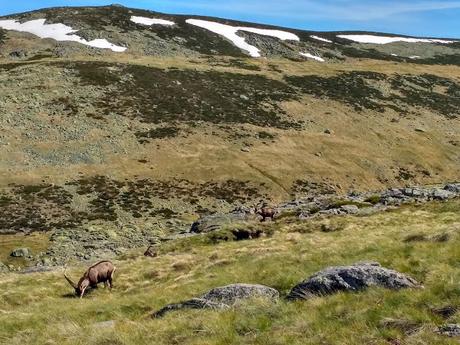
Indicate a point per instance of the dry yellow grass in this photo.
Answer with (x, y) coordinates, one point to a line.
(35, 309)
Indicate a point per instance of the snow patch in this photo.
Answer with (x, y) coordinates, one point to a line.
(229, 32)
(314, 57)
(320, 39)
(388, 39)
(151, 21)
(58, 32)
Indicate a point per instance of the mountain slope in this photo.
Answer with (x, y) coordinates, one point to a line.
(183, 122)
(39, 308)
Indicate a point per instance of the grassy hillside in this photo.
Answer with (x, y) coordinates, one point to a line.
(127, 139)
(421, 241)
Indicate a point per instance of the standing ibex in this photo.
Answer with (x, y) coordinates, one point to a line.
(265, 212)
(102, 272)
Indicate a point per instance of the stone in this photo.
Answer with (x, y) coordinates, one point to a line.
(349, 209)
(450, 330)
(20, 253)
(453, 187)
(441, 194)
(18, 54)
(328, 131)
(223, 297)
(355, 277)
(215, 222)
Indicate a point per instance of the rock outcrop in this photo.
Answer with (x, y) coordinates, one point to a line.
(20, 253)
(450, 330)
(355, 277)
(222, 298)
(216, 222)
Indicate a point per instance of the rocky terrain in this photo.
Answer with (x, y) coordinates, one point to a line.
(105, 150)
(124, 129)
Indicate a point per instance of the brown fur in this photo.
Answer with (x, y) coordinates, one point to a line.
(102, 272)
(266, 212)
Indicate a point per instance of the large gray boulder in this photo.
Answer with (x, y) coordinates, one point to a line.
(355, 277)
(222, 298)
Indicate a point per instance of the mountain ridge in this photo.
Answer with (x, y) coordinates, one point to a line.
(224, 19)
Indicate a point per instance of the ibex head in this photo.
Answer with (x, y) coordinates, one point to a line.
(80, 287)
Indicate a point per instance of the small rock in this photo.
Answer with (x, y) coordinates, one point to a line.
(421, 130)
(450, 330)
(350, 209)
(351, 278)
(245, 149)
(328, 131)
(20, 253)
(441, 194)
(453, 187)
(244, 97)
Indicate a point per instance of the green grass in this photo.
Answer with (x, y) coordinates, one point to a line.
(35, 309)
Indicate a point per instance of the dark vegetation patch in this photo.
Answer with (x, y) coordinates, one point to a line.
(405, 93)
(157, 133)
(405, 174)
(265, 135)
(43, 55)
(448, 59)
(67, 105)
(165, 96)
(239, 232)
(164, 212)
(35, 208)
(419, 91)
(45, 207)
(238, 63)
(358, 53)
(352, 88)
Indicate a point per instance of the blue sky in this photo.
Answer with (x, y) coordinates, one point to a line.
(411, 17)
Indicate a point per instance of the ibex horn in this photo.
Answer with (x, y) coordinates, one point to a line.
(70, 281)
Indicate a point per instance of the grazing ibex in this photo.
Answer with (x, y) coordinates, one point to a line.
(152, 251)
(102, 272)
(265, 212)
